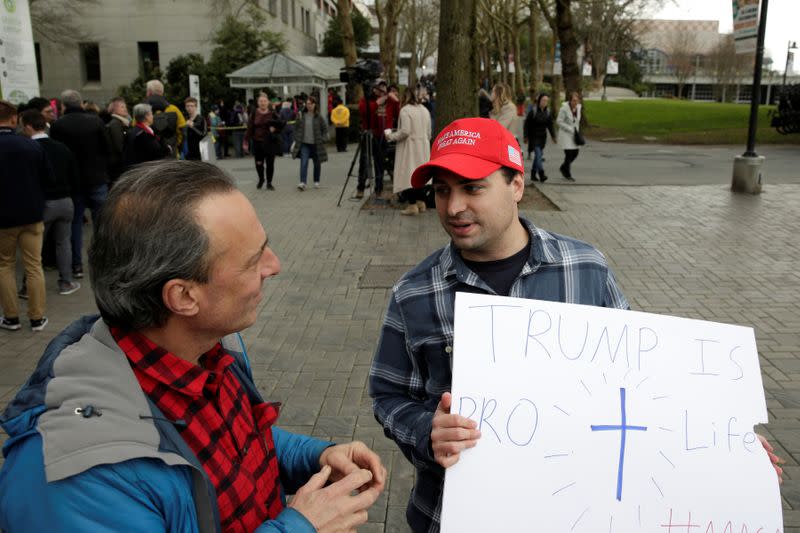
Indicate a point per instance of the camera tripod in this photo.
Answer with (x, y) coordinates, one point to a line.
(365, 148)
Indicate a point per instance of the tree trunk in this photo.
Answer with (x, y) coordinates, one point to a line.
(455, 83)
(569, 47)
(519, 85)
(533, 48)
(412, 69)
(354, 91)
(555, 98)
(388, 19)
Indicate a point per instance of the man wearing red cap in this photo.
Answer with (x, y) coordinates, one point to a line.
(478, 179)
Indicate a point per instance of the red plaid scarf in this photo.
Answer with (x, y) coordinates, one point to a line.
(231, 438)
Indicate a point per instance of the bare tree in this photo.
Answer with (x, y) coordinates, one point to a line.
(558, 14)
(61, 29)
(388, 13)
(456, 80)
(726, 66)
(533, 46)
(354, 91)
(607, 26)
(419, 33)
(682, 49)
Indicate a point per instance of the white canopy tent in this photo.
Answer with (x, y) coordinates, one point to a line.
(291, 74)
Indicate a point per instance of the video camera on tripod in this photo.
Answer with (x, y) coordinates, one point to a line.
(364, 72)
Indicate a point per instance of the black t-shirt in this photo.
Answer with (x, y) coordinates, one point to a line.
(500, 274)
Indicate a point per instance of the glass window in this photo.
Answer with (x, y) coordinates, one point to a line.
(148, 56)
(90, 62)
(38, 52)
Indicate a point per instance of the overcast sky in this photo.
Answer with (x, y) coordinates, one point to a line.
(783, 22)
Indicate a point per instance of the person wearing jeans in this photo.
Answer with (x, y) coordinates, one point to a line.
(538, 123)
(310, 134)
(58, 207)
(92, 198)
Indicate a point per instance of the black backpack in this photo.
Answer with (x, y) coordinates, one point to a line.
(165, 126)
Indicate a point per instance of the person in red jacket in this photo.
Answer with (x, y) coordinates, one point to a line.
(382, 115)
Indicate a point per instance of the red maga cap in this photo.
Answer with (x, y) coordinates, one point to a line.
(472, 148)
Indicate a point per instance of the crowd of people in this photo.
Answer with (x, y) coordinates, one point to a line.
(88, 149)
(532, 122)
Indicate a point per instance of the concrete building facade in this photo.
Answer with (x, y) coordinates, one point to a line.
(119, 36)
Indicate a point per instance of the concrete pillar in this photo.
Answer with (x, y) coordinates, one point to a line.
(747, 176)
(248, 95)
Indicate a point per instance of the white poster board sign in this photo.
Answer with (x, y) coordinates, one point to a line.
(18, 79)
(745, 25)
(598, 419)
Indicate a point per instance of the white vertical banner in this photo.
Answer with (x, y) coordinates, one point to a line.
(18, 79)
(612, 66)
(194, 89)
(557, 61)
(745, 25)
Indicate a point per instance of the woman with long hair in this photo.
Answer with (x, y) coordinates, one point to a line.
(262, 138)
(537, 123)
(569, 122)
(310, 134)
(503, 109)
(413, 137)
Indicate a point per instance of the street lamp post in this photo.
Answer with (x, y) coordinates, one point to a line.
(792, 46)
(747, 167)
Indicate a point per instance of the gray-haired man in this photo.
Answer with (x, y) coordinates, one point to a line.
(152, 421)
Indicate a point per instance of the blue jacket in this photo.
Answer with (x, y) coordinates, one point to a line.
(88, 451)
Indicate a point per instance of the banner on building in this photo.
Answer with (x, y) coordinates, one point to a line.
(557, 61)
(18, 79)
(745, 25)
(194, 89)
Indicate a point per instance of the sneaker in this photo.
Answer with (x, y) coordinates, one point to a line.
(316, 185)
(38, 325)
(542, 177)
(77, 272)
(359, 195)
(68, 287)
(11, 324)
(270, 187)
(301, 186)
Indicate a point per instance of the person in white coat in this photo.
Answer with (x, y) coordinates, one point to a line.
(569, 121)
(413, 137)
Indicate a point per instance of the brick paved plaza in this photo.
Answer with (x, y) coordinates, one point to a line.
(691, 251)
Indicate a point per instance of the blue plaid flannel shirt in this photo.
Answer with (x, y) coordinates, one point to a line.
(413, 364)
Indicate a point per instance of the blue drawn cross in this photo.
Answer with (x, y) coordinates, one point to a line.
(623, 428)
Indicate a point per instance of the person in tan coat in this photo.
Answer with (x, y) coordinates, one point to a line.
(413, 137)
(503, 109)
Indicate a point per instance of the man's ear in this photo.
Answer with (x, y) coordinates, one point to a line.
(518, 186)
(179, 296)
